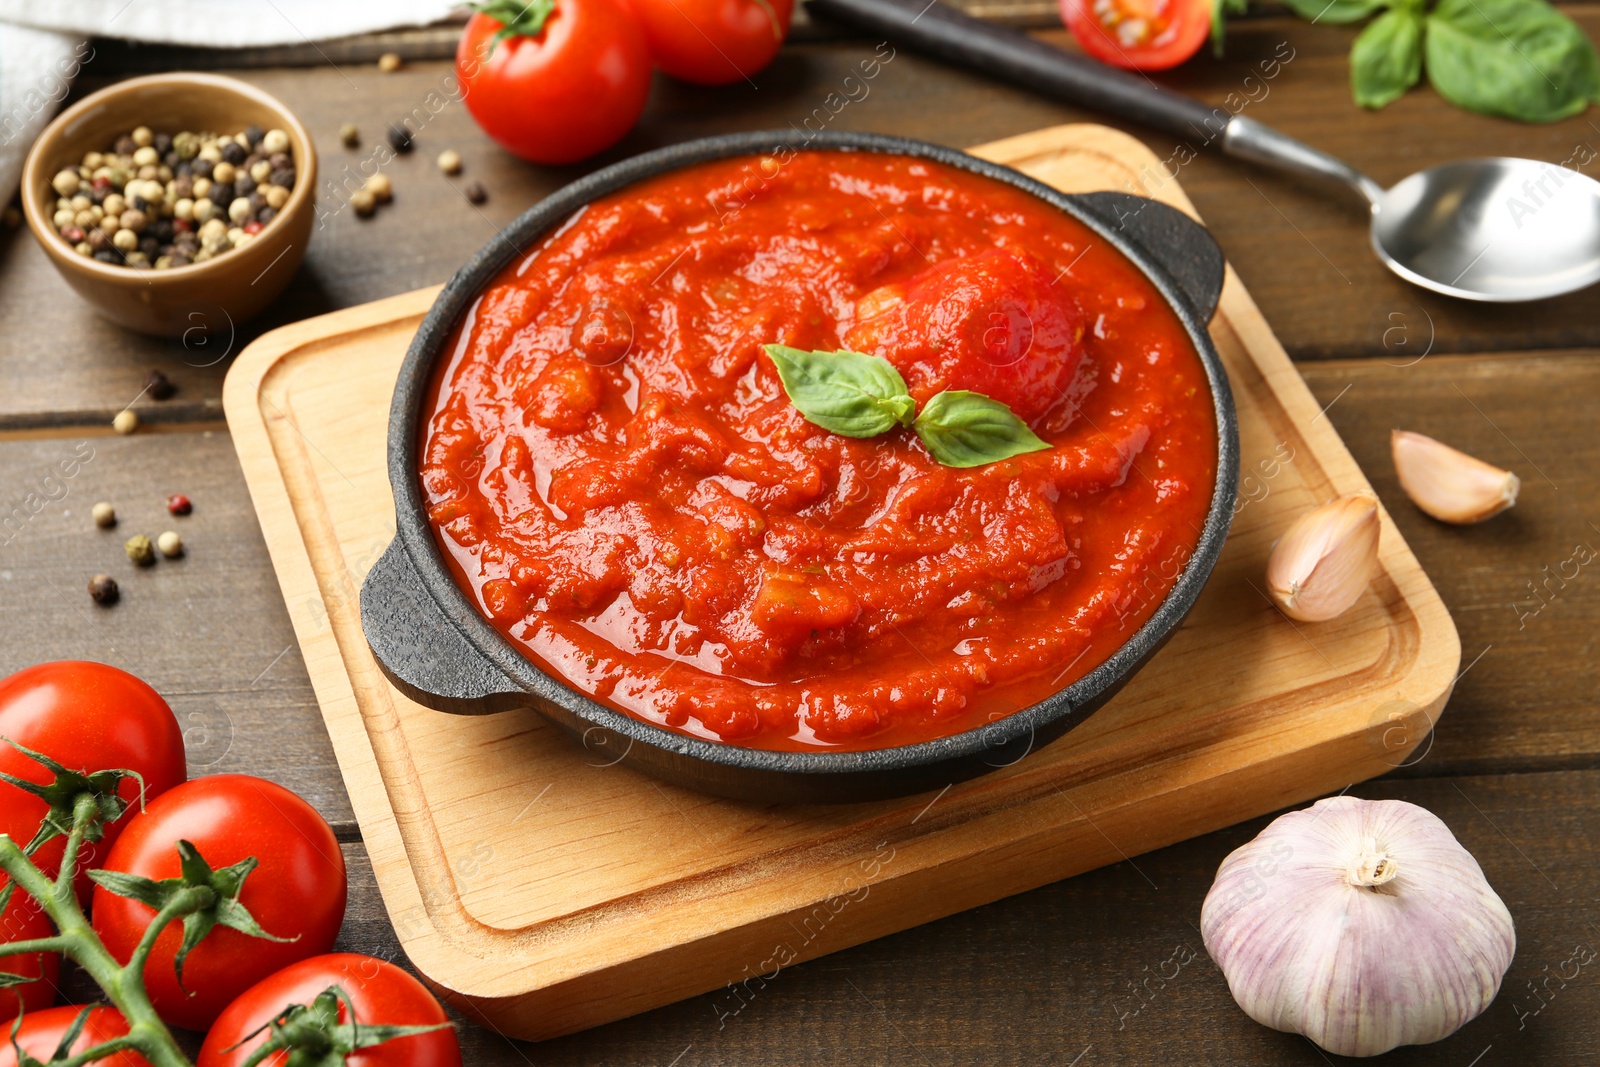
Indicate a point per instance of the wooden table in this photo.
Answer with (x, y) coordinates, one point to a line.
(1067, 974)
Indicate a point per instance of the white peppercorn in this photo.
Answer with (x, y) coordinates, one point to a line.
(275, 141)
(239, 210)
(125, 240)
(66, 182)
(142, 136)
(223, 172)
(104, 515)
(277, 196)
(364, 202)
(170, 544)
(381, 188)
(349, 136)
(450, 161)
(126, 422)
(389, 62)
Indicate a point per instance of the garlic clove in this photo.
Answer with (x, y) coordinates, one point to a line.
(1449, 484)
(1326, 558)
(1362, 924)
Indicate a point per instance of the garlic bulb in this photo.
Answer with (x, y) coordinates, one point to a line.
(1362, 924)
(1448, 484)
(1325, 559)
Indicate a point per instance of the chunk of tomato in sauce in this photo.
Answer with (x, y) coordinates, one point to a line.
(994, 323)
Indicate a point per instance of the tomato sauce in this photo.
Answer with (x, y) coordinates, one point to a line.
(620, 483)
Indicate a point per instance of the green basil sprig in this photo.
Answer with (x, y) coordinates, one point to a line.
(857, 395)
(1515, 59)
(849, 393)
(1386, 59)
(1519, 59)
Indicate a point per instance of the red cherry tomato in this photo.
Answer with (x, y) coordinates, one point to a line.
(564, 93)
(88, 717)
(24, 920)
(1139, 34)
(713, 42)
(41, 1031)
(298, 891)
(379, 992)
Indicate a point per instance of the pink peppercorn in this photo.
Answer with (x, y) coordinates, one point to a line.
(178, 504)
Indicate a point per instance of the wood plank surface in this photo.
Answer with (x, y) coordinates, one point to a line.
(1059, 973)
(1045, 977)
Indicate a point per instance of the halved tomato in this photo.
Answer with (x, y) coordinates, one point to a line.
(1139, 34)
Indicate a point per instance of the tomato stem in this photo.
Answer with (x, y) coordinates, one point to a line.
(75, 939)
(100, 1051)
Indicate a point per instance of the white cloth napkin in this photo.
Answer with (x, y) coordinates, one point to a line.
(43, 43)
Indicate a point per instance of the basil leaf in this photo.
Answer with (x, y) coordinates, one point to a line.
(1336, 11)
(965, 429)
(1518, 59)
(849, 393)
(1220, 10)
(1386, 59)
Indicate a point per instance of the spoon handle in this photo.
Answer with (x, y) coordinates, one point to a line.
(941, 31)
(938, 30)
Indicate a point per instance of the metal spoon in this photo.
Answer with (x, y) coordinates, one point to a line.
(1493, 229)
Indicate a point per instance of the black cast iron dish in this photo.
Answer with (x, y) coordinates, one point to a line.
(432, 643)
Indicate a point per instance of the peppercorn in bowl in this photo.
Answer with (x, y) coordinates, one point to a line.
(174, 202)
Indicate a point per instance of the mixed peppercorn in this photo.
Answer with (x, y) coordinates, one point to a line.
(155, 200)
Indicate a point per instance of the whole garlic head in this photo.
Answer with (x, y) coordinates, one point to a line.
(1362, 924)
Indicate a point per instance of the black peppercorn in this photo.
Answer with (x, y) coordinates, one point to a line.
(243, 185)
(163, 143)
(150, 246)
(108, 255)
(233, 152)
(475, 192)
(284, 178)
(200, 168)
(221, 194)
(266, 215)
(400, 139)
(280, 160)
(124, 146)
(158, 386)
(103, 589)
(253, 134)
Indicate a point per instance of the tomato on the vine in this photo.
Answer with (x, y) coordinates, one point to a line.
(25, 920)
(554, 81)
(1139, 34)
(42, 1031)
(298, 890)
(87, 717)
(714, 42)
(379, 992)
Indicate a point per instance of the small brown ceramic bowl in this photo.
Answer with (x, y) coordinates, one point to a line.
(237, 284)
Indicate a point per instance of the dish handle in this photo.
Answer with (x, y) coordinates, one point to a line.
(1175, 241)
(421, 651)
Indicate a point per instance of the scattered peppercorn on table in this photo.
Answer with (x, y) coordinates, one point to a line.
(1106, 968)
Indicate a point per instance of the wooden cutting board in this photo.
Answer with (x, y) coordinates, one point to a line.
(544, 890)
